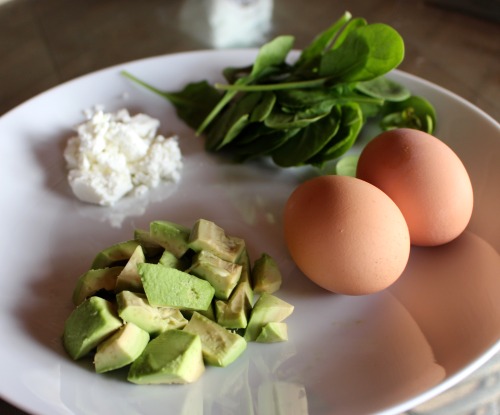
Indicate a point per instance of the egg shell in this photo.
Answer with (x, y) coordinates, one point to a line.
(425, 178)
(346, 235)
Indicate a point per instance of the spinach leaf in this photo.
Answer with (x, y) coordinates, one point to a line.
(384, 88)
(414, 112)
(366, 53)
(308, 142)
(350, 125)
(192, 104)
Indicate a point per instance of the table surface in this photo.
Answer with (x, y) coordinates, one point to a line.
(46, 42)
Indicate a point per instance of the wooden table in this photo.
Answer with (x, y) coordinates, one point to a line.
(46, 42)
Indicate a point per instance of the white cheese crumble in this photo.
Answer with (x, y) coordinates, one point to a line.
(115, 154)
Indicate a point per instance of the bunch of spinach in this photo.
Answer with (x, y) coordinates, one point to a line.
(309, 111)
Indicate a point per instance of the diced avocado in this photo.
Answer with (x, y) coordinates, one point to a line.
(135, 308)
(273, 332)
(208, 313)
(220, 346)
(246, 270)
(234, 313)
(223, 275)
(266, 275)
(168, 259)
(121, 349)
(174, 356)
(95, 280)
(171, 236)
(149, 244)
(267, 309)
(129, 278)
(119, 252)
(88, 325)
(169, 287)
(206, 235)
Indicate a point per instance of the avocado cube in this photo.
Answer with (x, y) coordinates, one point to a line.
(149, 245)
(95, 280)
(88, 325)
(267, 309)
(169, 287)
(246, 270)
(171, 236)
(220, 346)
(135, 308)
(273, 332)
(266, 275)
(208, 313)
(234, 313)
(121, 349)
(207, 236)
(174, 356)
(114, 254)
(129, 278)
(221, 274)
(168, 259)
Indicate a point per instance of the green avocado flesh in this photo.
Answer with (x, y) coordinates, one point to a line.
(95, 280)
(135, 308)
(207, 236)
(115, 253)
(171, 236)
(169, 287)
(174, 356)
(220, 346)
(88, 325)
(222, 275)
(121, 349)
(172, 300)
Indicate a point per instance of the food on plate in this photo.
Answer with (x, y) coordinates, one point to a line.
(115, 154)
(346, 235)
(426, 180)
(172, 357)
(172, 300)
(307, 110)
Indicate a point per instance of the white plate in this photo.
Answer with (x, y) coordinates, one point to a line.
(385, 352)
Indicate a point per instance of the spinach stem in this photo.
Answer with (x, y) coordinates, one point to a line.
(272, 87)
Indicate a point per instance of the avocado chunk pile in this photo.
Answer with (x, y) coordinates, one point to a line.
(172, 300)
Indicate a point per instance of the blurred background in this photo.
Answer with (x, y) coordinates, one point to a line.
(453, 43)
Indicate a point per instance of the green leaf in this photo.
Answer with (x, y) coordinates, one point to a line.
(350, 127)
(321, 42)
(366, 53)
(192, 103)
(232, 121)
(273, 53)
(264, 144)
(384, 88)
(262, 110)
(308, 142)
(282, 120)
(415, 112)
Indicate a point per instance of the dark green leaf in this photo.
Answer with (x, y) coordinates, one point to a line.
(415, 112)
(264, 144)
(366, 53)
(261, 111)
(308, 142)
(321, 42)
(273, 53)
(382, 87)
(350, 126)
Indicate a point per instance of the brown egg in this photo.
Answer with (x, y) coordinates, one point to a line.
(346, 235)
(425, 178)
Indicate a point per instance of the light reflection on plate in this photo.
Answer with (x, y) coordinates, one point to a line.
(385, 352)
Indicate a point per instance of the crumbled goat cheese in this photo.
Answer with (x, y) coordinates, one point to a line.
(114, 154)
